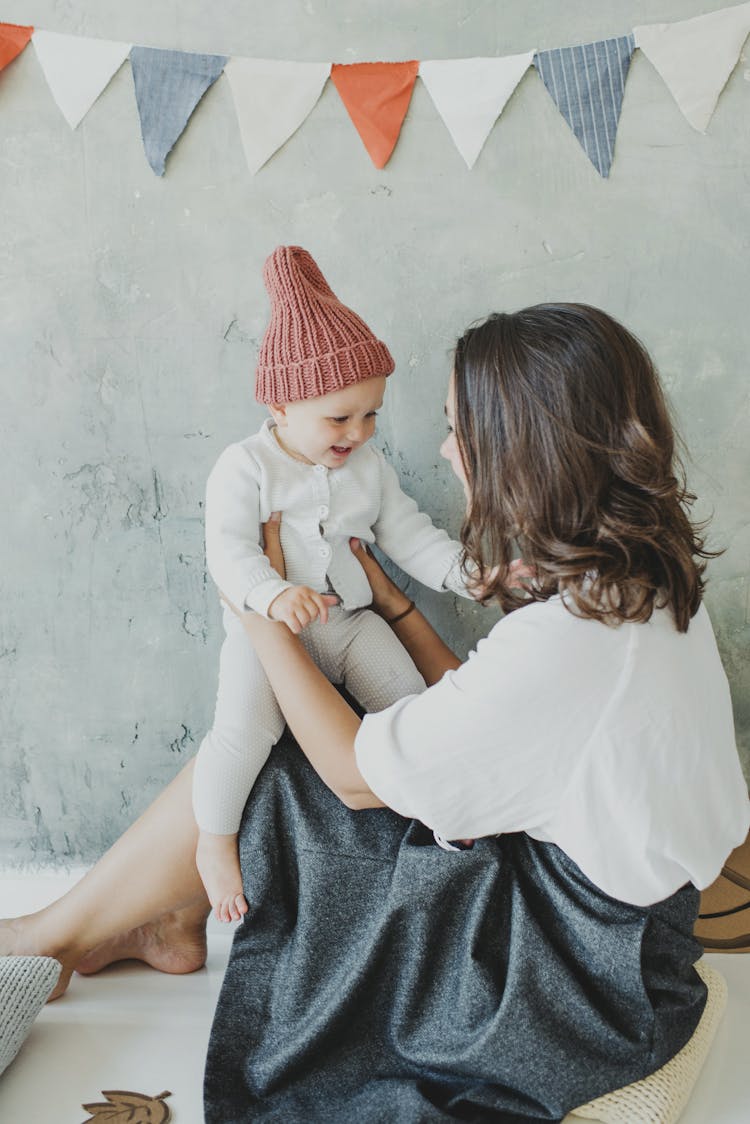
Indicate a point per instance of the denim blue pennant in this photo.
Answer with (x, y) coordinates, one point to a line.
(168, 86)
(587, 84)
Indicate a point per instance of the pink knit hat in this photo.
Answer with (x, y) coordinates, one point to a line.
(313, 344)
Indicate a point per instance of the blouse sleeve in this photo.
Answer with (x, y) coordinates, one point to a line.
(476, 754)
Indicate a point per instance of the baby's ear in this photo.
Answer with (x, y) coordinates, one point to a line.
(278, 412)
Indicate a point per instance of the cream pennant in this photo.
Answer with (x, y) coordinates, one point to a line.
(77, 69)
(470, 95)
(272, 99)
(695, 57)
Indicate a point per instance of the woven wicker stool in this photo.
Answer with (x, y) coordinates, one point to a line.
(661, 1097)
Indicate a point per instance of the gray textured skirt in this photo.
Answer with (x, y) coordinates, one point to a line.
(379, 979)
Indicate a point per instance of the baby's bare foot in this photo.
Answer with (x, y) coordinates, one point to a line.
(219, 867)
(174, 943)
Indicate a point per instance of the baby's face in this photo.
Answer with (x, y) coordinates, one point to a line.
(327, 430)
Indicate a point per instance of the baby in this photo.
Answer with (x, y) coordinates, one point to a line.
(322, 374)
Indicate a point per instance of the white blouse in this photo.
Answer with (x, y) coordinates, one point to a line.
(617, 744)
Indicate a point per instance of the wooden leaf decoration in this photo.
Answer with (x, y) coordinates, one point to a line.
(122, 1107)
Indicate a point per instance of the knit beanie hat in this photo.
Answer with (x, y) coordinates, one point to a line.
(313, 344)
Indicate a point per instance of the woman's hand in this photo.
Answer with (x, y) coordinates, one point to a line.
(430, 654)
(519, 577)
(521, 573)
(271, 532)
(387, 599)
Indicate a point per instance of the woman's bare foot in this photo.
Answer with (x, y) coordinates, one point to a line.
(18, 937)
(174, 943)
(218, 864)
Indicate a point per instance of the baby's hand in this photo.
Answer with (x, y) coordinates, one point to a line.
(298, 606)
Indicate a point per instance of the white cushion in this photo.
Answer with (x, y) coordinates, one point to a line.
(26, 983)
(661, 1097)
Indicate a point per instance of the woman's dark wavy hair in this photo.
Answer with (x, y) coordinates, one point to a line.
(569, 453)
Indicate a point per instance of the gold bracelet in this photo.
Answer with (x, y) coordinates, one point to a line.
(400, 616)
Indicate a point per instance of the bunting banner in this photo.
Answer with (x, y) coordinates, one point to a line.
(587, 84)
(168, 86)
(272, 99)
(77, 69)
(13, 39)
(470, 95)
(695, 57)
(376, 96)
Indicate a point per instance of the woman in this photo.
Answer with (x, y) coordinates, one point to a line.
(587, 746)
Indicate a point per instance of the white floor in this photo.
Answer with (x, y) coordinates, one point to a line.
(135, 1029)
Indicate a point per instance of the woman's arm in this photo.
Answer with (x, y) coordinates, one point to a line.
(324, 725)
(430, 654)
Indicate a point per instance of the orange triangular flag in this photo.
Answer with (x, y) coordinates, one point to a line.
(13, 39)
(376, 96)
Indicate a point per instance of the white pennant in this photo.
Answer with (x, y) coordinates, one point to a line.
(695, 57)
(470, 95)
(77, 69)
(272, 99)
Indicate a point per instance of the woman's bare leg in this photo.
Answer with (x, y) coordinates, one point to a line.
(143, 898)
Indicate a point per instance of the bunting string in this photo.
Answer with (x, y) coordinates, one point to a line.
(272, 98)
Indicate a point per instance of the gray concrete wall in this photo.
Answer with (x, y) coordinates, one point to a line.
(131, 308)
